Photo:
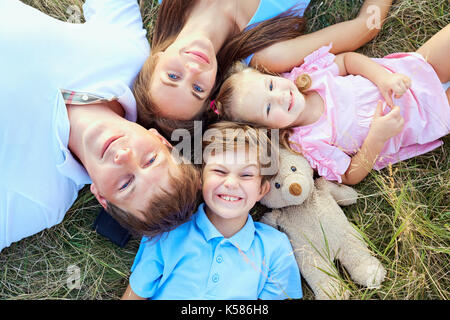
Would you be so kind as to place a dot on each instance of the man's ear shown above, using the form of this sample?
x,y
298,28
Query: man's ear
x,y
265,187
98,196
163,140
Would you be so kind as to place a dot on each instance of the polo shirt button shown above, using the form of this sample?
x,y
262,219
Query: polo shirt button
x,y
215,277
219,259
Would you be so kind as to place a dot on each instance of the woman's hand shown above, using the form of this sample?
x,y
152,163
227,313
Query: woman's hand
x,y
393,84
386,126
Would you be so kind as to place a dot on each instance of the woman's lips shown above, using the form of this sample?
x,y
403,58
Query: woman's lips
x,y
199,56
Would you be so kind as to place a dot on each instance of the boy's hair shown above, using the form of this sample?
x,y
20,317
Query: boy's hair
x,y
227,135
167,209
172,16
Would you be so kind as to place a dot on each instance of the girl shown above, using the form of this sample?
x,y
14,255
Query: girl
x,y
180,75
221,253
335,120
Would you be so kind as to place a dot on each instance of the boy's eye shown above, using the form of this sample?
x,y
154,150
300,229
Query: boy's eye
x,y
173,76
198,88
219,171
247,175
126,184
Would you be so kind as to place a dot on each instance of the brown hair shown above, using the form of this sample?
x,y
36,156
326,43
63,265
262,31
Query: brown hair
x,y
233,134
167,209
171,18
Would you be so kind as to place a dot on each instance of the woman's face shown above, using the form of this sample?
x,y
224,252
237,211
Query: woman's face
x,y
184,76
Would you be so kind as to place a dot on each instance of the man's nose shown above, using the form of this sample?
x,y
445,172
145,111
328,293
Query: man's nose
x,y
122,156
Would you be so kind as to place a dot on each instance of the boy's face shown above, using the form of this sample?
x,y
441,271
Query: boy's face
x,y
232,184
127,164
266,100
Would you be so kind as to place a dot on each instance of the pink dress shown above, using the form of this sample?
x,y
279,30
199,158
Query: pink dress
x,y
350,102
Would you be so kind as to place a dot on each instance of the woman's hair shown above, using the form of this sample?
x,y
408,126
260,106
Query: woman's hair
x,y
171,18
227,135
166,209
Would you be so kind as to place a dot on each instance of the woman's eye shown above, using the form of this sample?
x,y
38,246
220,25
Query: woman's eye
x,y
126,184
173,76
198,88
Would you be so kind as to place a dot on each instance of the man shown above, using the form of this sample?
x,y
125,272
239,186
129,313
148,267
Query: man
x,y
66,121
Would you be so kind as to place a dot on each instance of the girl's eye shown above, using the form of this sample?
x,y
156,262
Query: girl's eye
x,y
198,88
271,85
173,76
247,175
219,171
268,109
126,184
150,161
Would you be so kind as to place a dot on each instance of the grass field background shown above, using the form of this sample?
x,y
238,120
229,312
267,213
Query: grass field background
x,y
403,211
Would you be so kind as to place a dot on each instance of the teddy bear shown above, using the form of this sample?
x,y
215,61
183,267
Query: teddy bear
x,y
308,211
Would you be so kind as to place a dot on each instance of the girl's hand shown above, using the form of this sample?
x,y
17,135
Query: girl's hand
x,y
394,84
386,126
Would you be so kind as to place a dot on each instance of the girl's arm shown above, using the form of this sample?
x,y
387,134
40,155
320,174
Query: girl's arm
x,y
345,36
382,128
388,83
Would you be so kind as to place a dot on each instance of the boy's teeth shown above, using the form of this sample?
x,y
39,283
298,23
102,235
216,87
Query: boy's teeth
x,y
229,198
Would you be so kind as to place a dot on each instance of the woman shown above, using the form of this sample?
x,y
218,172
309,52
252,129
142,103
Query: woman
x,y
179,77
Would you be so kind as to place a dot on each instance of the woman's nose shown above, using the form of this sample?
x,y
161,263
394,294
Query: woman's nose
x,y
192,67
122,156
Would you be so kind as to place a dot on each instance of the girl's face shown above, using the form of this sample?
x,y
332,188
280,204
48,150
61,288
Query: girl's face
x,y
232,184
184,76
265,99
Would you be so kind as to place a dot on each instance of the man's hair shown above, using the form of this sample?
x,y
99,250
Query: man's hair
x,y
167,209
228,135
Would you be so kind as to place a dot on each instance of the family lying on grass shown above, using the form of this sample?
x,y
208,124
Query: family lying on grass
x,y
74,92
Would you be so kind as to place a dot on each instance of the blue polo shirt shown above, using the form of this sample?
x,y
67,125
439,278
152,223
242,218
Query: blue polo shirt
x,y
194,261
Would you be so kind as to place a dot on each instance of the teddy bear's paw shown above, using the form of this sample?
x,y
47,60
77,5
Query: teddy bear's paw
x,y
369,273
348,196
376,274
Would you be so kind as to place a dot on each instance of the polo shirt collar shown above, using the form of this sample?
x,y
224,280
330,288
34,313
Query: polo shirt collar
x,y
242,240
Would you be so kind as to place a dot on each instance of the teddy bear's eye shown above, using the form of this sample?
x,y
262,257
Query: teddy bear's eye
x,y
277,185
293,169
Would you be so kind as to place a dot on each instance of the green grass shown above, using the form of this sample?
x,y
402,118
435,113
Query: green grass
x,y
403,211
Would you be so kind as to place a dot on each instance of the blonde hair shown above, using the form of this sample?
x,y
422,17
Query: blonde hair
x,y
234,135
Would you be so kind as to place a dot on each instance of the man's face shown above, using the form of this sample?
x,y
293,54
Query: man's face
x,y
127,164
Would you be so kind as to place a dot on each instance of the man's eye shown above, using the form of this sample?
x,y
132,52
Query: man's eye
x,y
198,88
173,76
126,184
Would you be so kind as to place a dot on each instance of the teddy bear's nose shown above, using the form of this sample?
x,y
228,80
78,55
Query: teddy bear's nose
x,y
295,189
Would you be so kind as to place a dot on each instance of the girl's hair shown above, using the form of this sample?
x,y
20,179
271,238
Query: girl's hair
x,y
171,18
228,135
